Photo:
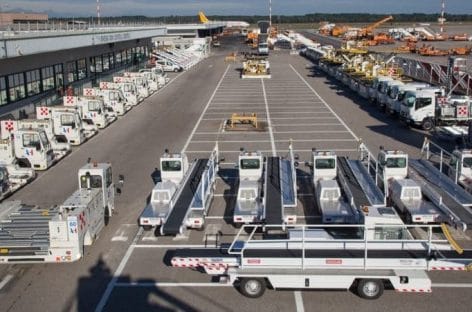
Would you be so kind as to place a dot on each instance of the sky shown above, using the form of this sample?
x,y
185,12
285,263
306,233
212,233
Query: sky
x,y
225,7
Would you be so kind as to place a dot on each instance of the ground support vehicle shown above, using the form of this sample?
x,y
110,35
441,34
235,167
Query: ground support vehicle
x,y
27,147
157,74
255,68
411,193
112,98
59,144
251,199
68,123
428,108
397,93
91,108
140,82
308,257
183,197
12,178
129,90
30,234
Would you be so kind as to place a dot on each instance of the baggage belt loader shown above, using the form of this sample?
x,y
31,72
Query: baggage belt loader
x,y
67,123
112,98
183,196
30,234
309,257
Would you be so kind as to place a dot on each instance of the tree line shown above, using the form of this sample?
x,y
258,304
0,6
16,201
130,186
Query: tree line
x,y
284,19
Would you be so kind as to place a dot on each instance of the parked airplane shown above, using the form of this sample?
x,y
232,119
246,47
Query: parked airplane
x,y
205,20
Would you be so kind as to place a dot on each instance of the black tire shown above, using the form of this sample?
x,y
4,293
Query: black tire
x,y
147,227
106,216
427,124
176,70
238,225
370,288
24,163
408,218
252,287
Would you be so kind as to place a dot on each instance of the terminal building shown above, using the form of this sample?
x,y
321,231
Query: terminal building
x,y
39,67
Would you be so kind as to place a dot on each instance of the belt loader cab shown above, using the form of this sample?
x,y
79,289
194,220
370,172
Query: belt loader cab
x,y
67,123
90,108
250,200
129,90
65,229
332,202
405,193
460,168
59,144
173,170
113,99
29,147
141,84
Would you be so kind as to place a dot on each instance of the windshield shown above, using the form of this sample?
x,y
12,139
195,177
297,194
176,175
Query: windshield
x,y
67,120
396,162
128,87
90,181
326,163
31,140
171,165
161,196
247,194
254,163
44,138
401,95
467,162
94,106
410,99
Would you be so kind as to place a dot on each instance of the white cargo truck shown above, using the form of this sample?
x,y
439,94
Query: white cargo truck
x,y
112,98
90,108
140,82
129,90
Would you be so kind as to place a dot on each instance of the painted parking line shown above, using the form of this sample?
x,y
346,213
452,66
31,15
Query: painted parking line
x,y
276,141
269,122
170,284
6,280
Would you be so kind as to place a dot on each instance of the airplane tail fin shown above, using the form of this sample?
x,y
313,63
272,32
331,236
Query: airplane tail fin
x,y
203,18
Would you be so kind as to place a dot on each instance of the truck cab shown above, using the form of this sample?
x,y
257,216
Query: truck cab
x,y
158,73
392,164
250,201
30,146
419,107
374,88
397,93
263,48
386,90
142,82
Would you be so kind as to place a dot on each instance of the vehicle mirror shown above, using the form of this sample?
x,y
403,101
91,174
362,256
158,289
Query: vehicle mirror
x,y
118,191
296,163
296,157
222,159
38,146
121,179
73,125
99,111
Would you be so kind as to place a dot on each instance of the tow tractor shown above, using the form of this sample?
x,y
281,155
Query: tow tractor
x,y
91,108
309,257
59,144
113,98
141,84
67,123
30,234
129,90
147,78
184,195
27,147
12,178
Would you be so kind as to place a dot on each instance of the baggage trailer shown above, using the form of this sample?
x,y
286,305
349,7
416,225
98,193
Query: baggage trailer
x,y
30,234
183,197
308,257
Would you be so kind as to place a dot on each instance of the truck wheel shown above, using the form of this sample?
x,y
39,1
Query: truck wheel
x,y
176,70
427,124
24,163
409,219
370,289
252,287
106,216
147,227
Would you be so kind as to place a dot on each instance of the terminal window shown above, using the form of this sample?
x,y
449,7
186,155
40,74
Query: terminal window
x,y
33,82
47,74
3,91
16,84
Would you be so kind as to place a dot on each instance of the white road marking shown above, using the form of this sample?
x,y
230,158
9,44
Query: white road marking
x,y
118,272
269,122
204,110
170,284
6,280
324,102
120,233
278,151
452,285
299,301
169,246
265,141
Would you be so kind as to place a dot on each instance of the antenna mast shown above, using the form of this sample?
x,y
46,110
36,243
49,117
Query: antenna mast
x,y
98,12
441,20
